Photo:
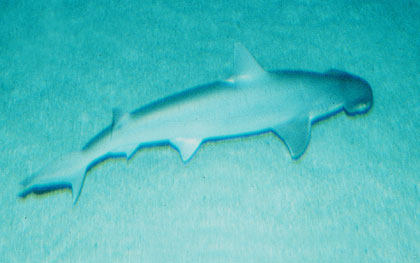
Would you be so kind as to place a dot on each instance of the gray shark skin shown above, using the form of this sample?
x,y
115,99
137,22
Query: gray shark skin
x,y
252,101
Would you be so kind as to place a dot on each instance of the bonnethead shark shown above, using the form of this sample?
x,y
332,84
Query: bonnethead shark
x,y
251,101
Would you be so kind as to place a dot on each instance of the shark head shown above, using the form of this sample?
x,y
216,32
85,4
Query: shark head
x,y
359,96
357,93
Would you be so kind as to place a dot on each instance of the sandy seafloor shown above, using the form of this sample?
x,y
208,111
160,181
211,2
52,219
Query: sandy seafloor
x,y
353,196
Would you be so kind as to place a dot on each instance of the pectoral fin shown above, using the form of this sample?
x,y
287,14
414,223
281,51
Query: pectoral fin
x,y
186,147
295,134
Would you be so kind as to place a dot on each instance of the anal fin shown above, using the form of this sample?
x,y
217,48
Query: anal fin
x,y
128,150
186,147
295,134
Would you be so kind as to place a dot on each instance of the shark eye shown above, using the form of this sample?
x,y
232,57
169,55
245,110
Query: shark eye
x,y
363,106
357,107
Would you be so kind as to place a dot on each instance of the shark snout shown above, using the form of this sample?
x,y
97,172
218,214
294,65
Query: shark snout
x,y
359,96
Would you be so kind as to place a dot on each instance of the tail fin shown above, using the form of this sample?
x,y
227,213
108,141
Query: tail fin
x,y
77,183
68,171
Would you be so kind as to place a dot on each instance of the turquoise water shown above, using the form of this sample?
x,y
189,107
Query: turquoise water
x,y
352,197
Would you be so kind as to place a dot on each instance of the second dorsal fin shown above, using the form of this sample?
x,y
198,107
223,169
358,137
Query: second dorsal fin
x,y
119,118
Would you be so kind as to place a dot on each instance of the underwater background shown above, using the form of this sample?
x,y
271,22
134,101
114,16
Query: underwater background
x,y
352,197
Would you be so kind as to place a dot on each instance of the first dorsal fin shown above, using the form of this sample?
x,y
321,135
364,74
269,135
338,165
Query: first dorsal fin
x,y
244,63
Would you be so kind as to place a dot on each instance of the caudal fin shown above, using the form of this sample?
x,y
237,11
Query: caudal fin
x,y
77,183
66,172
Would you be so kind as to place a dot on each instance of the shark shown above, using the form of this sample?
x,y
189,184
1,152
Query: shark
x,y
251,101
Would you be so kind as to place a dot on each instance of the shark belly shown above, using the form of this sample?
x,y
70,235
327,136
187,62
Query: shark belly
x,y
221,110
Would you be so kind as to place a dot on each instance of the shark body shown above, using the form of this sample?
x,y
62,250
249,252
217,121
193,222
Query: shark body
x,y
252,101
